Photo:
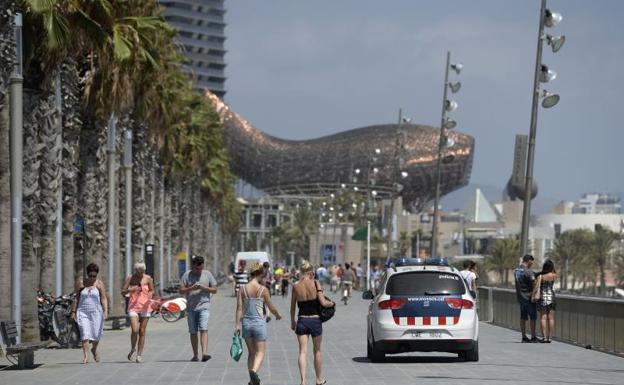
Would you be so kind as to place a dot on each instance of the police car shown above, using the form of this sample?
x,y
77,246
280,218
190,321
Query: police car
x,y
422,305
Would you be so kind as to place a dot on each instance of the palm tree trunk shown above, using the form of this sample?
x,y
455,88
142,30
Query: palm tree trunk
x,y
603,284
72,125
49,176
31,230
93,192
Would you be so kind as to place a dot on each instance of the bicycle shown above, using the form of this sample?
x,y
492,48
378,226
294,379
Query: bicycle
x,y
171,310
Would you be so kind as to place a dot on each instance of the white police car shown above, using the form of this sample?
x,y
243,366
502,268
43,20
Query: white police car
x,y
422,305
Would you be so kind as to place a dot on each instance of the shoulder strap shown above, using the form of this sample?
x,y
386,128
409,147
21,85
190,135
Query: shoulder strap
x,y
259,294
245,291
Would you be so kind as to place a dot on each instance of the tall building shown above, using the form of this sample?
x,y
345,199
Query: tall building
x,y
201,28
596,203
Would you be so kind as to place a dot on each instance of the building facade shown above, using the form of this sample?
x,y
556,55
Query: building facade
x,y
201,34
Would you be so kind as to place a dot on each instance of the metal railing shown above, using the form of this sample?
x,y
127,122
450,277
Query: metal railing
x,y
585,321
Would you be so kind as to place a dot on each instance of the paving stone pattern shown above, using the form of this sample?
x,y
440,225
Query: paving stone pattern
x,y
503,359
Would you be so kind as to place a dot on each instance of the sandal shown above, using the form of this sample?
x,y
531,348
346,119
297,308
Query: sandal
x,y
139,359
131,354
96,356
322,383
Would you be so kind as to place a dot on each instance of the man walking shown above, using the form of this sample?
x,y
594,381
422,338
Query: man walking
x,y
525,278
359,272
198,284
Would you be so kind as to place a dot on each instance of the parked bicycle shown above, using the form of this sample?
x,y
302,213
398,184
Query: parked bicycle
x,y
171,310
55,319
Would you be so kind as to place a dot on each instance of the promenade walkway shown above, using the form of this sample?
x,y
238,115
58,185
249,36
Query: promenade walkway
x,y
503,359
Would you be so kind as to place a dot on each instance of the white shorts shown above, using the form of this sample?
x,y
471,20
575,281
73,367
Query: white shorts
x,y
143,314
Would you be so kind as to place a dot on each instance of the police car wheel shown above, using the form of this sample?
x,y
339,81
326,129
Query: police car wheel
x,y
376,354
471,355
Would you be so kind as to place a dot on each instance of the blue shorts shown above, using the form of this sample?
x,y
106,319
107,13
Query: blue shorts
x,y
197,320
254,329
528,309
309,326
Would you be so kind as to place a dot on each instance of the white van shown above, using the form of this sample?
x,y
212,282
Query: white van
x,y
251,256
241,275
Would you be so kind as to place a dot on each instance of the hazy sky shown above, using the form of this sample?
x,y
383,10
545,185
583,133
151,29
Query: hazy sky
x,y
304,69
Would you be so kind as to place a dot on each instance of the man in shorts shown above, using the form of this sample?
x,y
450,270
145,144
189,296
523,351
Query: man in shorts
x,y
525,277
198,284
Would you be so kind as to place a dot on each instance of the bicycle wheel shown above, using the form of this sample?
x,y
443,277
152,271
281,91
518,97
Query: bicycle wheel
x,y
168,315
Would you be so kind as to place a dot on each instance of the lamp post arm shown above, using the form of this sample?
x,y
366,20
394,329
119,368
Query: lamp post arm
x,y
528,183
436,202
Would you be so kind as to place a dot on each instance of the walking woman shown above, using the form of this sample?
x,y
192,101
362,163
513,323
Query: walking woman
x,y
546,303
250,303
90,310
307,294
140,287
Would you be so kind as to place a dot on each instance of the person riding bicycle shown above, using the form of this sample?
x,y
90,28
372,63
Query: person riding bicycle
x,y
348,278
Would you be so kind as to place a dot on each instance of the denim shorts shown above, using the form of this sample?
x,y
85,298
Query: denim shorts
x,y
254,329
309,326
197,320
528,309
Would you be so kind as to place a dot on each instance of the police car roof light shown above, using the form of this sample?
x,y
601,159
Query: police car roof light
x,y
397,262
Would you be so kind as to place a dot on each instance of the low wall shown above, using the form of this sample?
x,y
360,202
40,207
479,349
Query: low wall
x,y
598,322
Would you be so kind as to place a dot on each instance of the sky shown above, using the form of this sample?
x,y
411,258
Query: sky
x,y
306,69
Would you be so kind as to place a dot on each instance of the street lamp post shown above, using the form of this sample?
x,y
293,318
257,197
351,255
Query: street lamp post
x,y
128,172
112,194
447,106
396,187
544,75
16,148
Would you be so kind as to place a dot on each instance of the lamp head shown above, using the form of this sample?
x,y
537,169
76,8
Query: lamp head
x,y
451,105
555,42
457,68
455,87
450,124
547,75
549,99
551,19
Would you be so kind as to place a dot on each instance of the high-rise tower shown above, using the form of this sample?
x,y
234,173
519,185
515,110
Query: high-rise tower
x,y
202,35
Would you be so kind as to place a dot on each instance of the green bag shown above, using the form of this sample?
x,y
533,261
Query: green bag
x,y
236,350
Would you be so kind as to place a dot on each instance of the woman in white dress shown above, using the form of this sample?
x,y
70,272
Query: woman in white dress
x,y
90,310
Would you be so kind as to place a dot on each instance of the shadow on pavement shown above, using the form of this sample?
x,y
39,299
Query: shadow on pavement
x,y
411,360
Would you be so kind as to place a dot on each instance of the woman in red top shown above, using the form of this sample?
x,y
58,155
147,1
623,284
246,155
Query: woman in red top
x,y
139,287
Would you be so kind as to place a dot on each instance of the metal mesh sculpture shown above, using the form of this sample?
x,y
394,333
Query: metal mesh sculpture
x,y
316,167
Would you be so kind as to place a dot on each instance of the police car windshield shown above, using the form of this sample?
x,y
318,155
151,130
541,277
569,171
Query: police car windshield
x,y
425,283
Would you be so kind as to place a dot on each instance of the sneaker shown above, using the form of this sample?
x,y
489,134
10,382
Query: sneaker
x,y
255,380
525,339
206,357
194,359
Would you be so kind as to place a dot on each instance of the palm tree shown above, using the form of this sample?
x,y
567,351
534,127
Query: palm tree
x,y
600,249
503,257
569,251
404,243
618,268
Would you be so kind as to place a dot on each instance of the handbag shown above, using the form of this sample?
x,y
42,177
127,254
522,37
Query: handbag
x,y
236,350
325,313
536,295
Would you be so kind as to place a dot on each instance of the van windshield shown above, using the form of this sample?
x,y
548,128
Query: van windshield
x,y
425,283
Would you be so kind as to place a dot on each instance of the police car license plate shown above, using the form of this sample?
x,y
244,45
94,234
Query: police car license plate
x,y
418,334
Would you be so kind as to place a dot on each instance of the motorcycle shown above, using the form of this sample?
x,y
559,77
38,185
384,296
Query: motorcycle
x,y
55,319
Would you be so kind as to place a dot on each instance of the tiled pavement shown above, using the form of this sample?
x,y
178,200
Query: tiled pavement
x,y
503,360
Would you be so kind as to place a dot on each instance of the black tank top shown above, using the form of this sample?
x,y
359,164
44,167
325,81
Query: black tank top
x,y
309,307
